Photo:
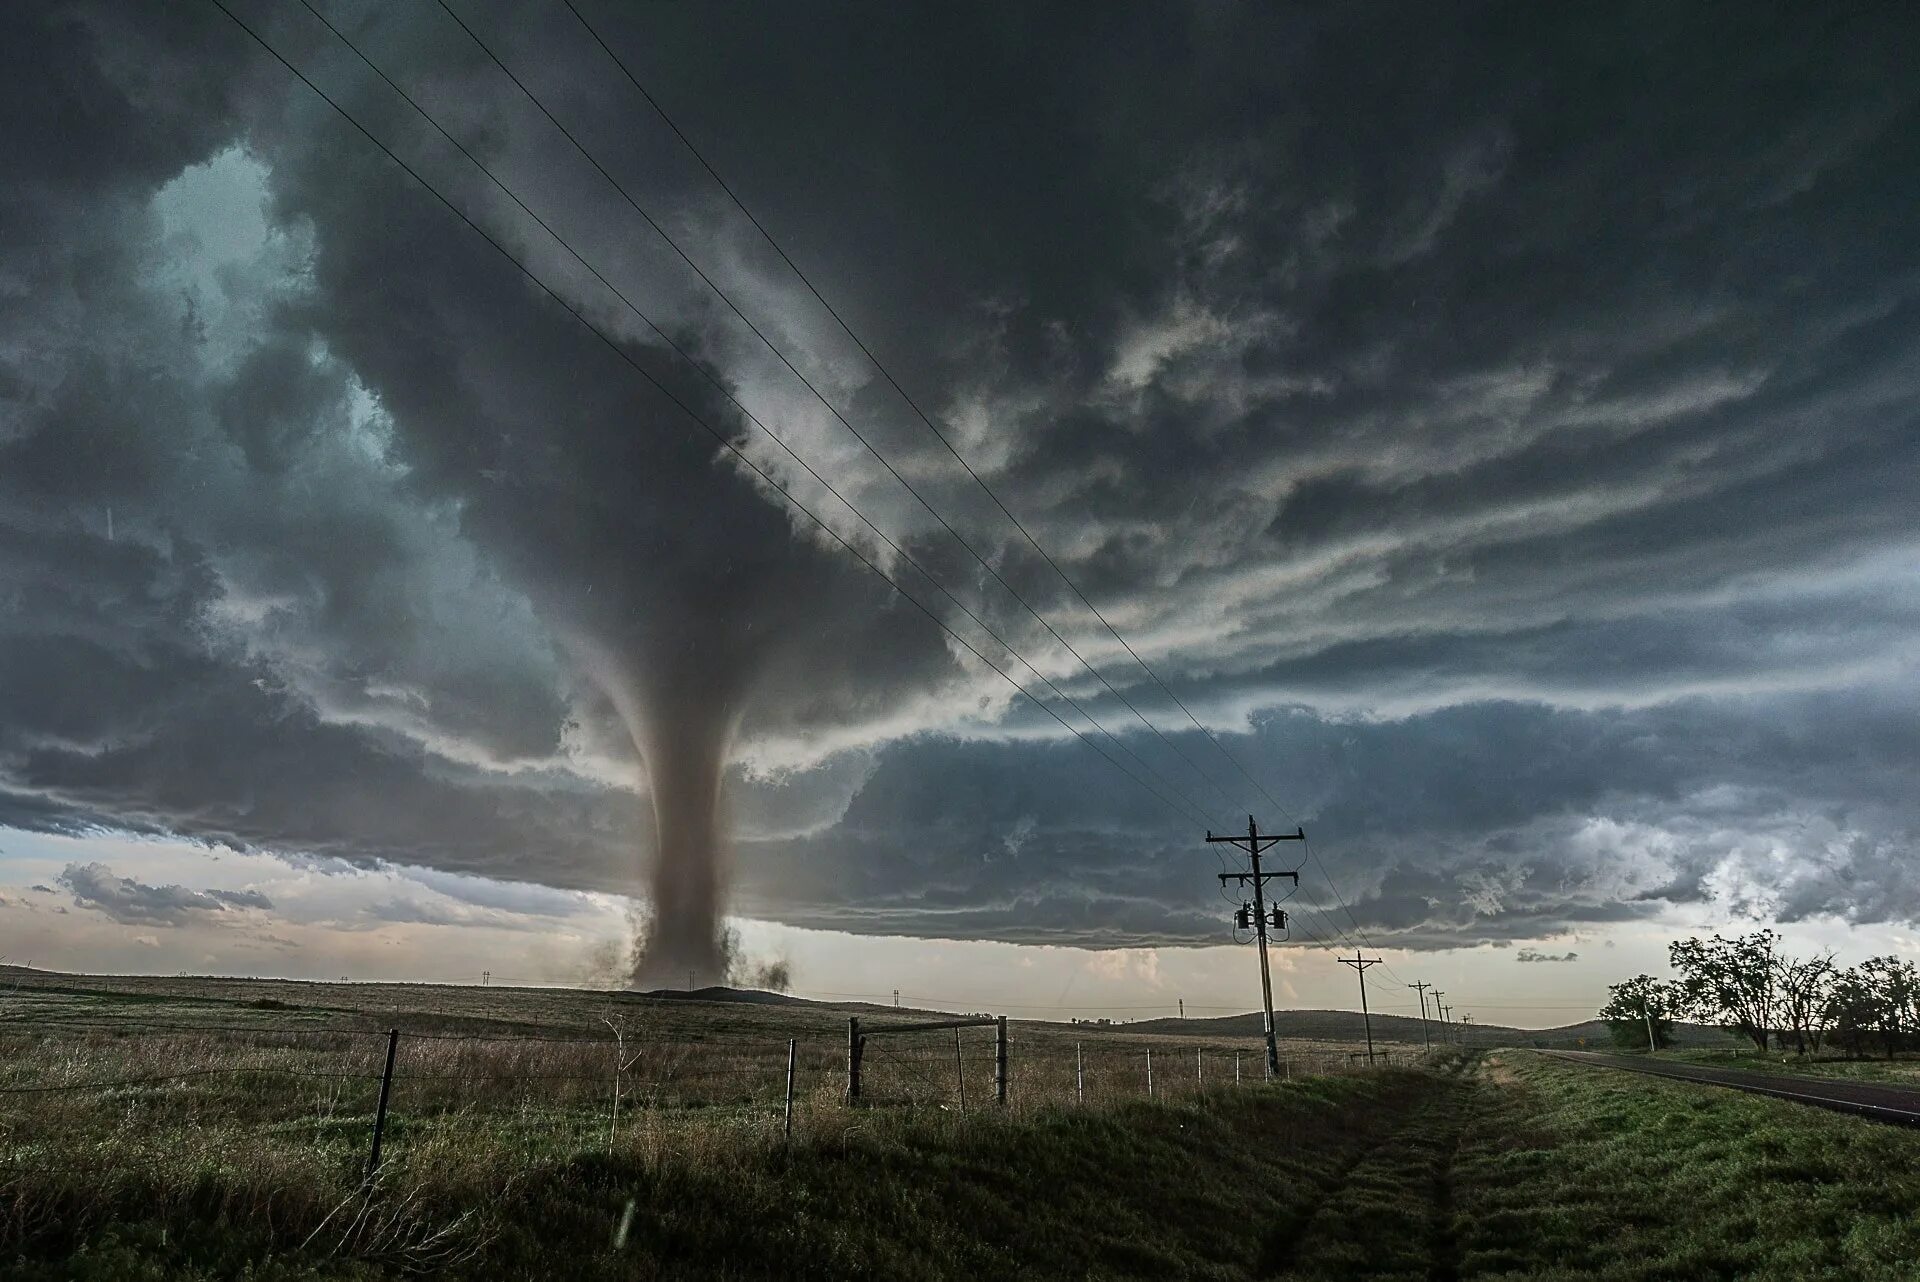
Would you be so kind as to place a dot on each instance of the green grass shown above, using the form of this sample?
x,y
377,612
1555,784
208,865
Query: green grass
x,y
1903,1071
1649,1178
1138,1190
1505,1165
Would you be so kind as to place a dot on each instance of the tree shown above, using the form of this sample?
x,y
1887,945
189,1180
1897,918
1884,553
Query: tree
x,y
1803,985
1729,982
1895,988
1641,1003
1853,1009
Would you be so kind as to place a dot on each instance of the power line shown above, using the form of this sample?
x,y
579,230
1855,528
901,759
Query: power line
x,y
827,404
914,405
1255,843
666,392
1198,812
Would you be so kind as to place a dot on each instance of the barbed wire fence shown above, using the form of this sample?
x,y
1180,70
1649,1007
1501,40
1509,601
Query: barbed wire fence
x,y
121,1092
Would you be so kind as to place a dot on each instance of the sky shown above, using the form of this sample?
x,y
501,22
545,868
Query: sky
x,y
1490,434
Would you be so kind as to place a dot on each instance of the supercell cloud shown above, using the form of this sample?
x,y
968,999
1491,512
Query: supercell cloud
x,y
1498,425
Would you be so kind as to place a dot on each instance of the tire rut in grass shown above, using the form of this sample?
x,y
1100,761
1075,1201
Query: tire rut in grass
x,y
1297,1210
1391,1214
1443,1241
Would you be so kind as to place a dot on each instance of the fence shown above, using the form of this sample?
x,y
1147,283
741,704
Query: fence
x,y
126,1093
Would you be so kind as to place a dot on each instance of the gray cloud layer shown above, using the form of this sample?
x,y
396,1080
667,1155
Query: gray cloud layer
x,y
1499,424
135,903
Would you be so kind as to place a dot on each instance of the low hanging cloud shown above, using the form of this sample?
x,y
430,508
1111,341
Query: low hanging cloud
x,y
134,903
1527,955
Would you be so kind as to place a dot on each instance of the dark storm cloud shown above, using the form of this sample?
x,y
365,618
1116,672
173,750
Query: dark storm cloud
x,y
134,903
1528,955
1498,421
1490,822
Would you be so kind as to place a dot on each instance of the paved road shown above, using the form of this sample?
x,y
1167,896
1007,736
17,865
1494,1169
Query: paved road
x,y
1868,1099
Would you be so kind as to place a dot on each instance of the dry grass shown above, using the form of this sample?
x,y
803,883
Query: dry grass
x,y
130,1105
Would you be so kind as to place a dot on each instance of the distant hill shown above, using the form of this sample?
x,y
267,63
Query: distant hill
x,y
1347,1026
721,993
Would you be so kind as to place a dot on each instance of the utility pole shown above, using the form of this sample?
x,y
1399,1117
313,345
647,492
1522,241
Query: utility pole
x,y
1254,843
1426,1042
1646,1008
1439,1013
1183,1008
1360,965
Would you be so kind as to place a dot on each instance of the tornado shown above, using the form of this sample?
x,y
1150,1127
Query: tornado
x,y
682,710
678,664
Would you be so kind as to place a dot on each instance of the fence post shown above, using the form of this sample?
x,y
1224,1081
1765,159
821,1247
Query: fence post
x,y
1198,1080
1149,1072
380,1114
1000,1059
853,1059
1079,1076
960,1072
1236,1068
793,1045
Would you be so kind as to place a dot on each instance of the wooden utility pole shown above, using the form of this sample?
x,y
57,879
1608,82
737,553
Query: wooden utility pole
x,y
1360,965
1254,843
1426,1042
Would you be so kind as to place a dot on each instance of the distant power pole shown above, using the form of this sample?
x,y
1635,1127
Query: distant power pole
x,y
1426,1042
486,977
1183,1008
896,1002
1360,965
1439,1013
1254,843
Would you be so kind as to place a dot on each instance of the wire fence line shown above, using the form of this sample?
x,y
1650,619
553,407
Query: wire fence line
x,y
114,1092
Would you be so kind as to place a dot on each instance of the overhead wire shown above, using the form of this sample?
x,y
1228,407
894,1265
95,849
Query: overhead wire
x,y
824,401
633,79
701,368
675,400
871,448
1184,799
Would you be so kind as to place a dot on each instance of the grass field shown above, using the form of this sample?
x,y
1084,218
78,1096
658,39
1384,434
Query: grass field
x,y
1495,1164
1902,1071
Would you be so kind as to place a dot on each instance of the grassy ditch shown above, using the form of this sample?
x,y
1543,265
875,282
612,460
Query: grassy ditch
x,y
1169,1189
1505,1165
